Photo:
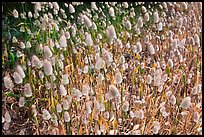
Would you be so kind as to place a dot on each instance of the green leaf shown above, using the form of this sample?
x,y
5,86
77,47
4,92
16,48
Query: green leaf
x,y
9,94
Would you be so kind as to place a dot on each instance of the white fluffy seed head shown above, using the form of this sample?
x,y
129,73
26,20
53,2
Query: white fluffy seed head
x,y
99,63
89,41
46,115
71,9
159,26
151,49
156,17
196,116
19,69
125,106
128,25
65,79
146,16
113,91
21,102
186,102
65,105
87,21
111,12
59,108
140,22
7,117
66,116
139,47
63,91
149,79
170,63
111,34
15,13
139,114
47,52
118,78
63,41
85,89
88,108
197,39
47,68
17,78
27,90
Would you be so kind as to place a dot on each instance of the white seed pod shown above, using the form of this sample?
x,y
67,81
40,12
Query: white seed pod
x,y
88,108
7,117
125,106
15,13
99,63
146,16
65,79
111,12
186,102
47,52
125,5
194,90
196,117
87,21
170,63
41,74
151,49
149,79
3,120
85,89
59,108
159,26
113,91
139,47
27,90
21,102
63,41
55,5
22,45
111,33
139,114
128,25
168,93
172,100
19,69
89,41
140,22
156,17
132,115
197,40
86,69
93,6
34,111
6,126
118,78
46,115
71,9
106,115
47,68
17,78
28,45
144,10
66,116
30,14
63,91
65,105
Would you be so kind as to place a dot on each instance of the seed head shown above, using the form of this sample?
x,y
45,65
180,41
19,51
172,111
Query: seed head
x,y
27,90
47,68
186,102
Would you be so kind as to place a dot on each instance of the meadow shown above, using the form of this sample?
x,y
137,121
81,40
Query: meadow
x,y
102,68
